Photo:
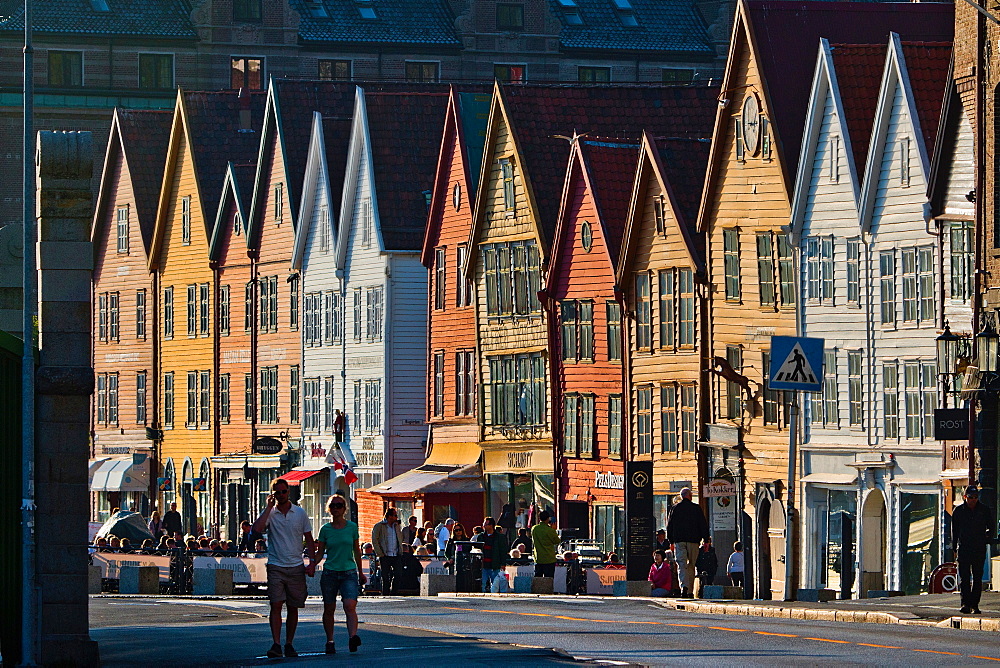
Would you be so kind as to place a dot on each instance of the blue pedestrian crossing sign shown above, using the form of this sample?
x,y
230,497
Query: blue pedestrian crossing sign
x,y
796,364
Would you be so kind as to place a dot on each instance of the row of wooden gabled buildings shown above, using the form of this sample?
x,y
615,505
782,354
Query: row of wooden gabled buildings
x,y
483,299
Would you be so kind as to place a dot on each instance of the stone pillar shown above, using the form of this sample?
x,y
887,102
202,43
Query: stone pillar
x,y
11,279
64,383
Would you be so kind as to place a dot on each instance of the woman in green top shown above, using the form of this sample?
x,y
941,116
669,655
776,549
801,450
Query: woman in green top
x,y
342,572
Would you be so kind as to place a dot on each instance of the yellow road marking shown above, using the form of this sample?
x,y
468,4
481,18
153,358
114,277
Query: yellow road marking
x,y
631,622
502,612
572,619
868,644
693,626
535,614
723,628
988,658
783,635
934,651
463,609
842,642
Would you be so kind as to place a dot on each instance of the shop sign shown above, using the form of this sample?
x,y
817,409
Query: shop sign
x,y
199,484
266,445
956,455
677,485
519,460
368,458
609,480
317,450
640,525
951,424
719,487
116,450
165,484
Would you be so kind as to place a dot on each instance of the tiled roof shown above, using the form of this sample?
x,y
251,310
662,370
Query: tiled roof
x,y
405,131
141,18
540,113
684,161
144,136
927,66
336,142
611,166
859,70
394,22
244,174
787,34
214,124
661,25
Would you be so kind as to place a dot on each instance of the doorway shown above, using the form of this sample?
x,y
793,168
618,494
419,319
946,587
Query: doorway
x,y
873,522
763,549
776,540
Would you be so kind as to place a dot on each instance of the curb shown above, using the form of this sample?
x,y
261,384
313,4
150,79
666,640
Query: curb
x,y
815,614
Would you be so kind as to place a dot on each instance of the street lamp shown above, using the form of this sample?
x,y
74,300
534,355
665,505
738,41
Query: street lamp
x,y
947,350
987,344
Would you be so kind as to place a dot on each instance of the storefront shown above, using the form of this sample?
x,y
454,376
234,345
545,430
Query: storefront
x,y
521,477
310,488
120,482
242,483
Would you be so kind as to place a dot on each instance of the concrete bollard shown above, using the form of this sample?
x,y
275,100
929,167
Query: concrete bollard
x,y
816,595
212,582
637,587
432,585
542,585
93,579
139,580
522,584
884,593
721,591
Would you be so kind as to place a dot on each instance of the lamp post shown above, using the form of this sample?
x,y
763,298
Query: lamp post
x,y
947,358
987,345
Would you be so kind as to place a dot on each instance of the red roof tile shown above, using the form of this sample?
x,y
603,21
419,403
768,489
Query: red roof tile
x,y
859,69
336,140
611,166
144,136
787,33
927,65
538,113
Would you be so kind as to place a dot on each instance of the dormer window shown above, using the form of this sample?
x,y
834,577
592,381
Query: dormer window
x,y
247,10
367,12
99,6
628,20
573,18
510,17
567,3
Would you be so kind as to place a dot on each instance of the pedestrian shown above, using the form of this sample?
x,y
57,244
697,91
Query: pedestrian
x,y
971,531
457,535
494,548
342,574
521,521
661,542
410,570
522,542
155,525
507,520
443,535
172,521
248,537
387,539
260,547
544,541
477,533
707,564
410,530
686,528
419,537
287,525
661,577
735,566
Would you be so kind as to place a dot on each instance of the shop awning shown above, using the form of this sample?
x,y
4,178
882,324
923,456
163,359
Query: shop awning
x,y
831,478
120,475
466,480
454,454
93,467
296,476
264,461
229,461
519,460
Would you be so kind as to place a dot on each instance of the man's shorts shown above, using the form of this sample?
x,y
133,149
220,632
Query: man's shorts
x,y
287,584
343,582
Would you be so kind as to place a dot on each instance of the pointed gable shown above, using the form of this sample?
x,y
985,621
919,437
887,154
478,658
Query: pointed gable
x,y
858,72
927,67
144,136
236,191
610,168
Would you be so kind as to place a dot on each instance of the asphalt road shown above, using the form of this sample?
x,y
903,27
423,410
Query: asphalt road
x,y
599,630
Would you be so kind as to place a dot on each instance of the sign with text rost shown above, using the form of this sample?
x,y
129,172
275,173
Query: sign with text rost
x,y
640,525
951,424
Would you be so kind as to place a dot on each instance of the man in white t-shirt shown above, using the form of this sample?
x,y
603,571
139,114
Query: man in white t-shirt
x,y
286,525
443,536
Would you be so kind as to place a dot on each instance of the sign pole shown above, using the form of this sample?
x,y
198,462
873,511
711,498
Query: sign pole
x,y
793,417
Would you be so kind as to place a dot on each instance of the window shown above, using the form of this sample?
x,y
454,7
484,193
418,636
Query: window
x,y
437,409
819,268
203,311
676,76
659,214
833,159
101,392
334,70
186,220
925,284
269,395
734,393
367,12
248,408
855,401
463,286
310,414
668,418
248,302
374,313
192,400
644,420
773,399
168,313
112,398
168,399
962,260
140,397
357,314
465,382
192,310
279,203
890,400
904,162
510,17
224,401
571,424
765,269
689,422
246,10
121,218
887,278
324,230
577,328
507,181
786,270
667,308
329,417
156,71
204,398
357,405
113,319
293,394
614,314
854,272
513,278
687,325
365,222
102,316
422,72
765,139
373,407
517,385
738,136
334,317
731,258
643,314
593,74
246,73
586,440
293,303
929,401
268,303
224,310
911,397
65,68
439,277
313,317
509,73
918,284
615,425
831,407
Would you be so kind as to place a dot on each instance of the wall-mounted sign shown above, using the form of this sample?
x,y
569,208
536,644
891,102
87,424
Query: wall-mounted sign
x,y
951,424
609,480
317,450
266,445
199,484
719,487
165,484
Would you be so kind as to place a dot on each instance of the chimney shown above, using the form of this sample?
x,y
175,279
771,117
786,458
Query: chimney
x,y
244,97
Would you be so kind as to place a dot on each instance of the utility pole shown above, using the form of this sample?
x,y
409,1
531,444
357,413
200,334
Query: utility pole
x,y
30,621
793,422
